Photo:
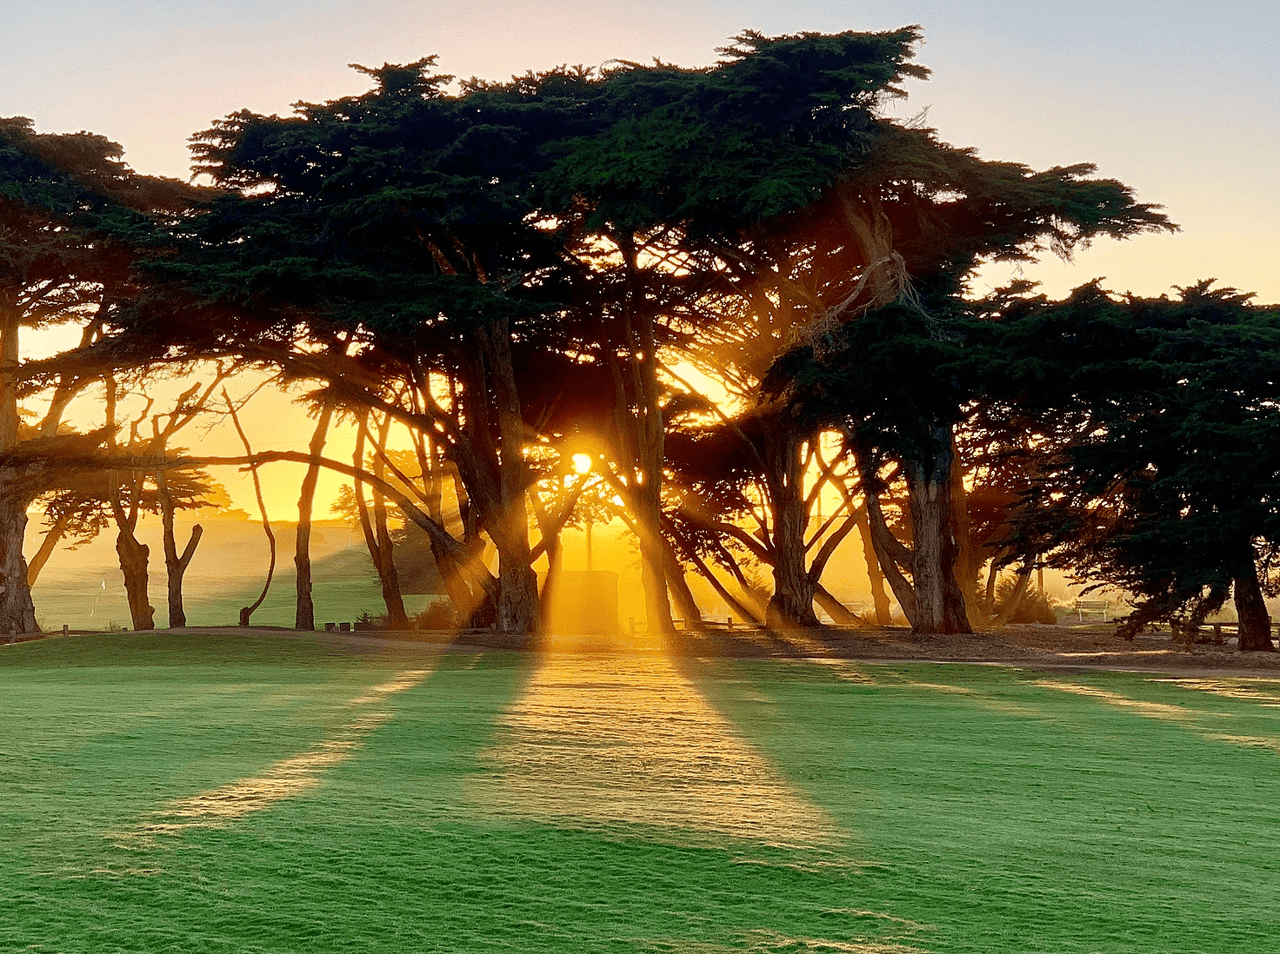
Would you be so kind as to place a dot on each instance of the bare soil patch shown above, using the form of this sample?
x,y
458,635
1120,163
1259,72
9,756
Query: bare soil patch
x,y
1089,647
1047,647
1052,647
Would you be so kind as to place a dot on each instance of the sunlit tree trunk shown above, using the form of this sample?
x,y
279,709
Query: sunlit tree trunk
x,y
1021,585
377,536
879,598
17,612
133,564
683,596
133,554
969,558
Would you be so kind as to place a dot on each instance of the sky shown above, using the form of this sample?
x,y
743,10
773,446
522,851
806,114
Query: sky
x,y
1176,98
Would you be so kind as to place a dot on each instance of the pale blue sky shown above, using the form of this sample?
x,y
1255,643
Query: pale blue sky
x,y
1177,98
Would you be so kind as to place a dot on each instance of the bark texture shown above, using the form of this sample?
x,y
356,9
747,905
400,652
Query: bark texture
x,y
17,613
793,587
1251,611
133,564
940,602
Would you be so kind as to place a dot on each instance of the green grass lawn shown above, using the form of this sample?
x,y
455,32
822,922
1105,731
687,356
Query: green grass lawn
x,y
228,794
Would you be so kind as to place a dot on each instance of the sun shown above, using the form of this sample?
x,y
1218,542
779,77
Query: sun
x,y
582,463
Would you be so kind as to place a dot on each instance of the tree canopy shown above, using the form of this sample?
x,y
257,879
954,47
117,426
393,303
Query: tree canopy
x,y
508,273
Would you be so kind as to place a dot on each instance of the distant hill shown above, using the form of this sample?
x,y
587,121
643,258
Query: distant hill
x,y
83,588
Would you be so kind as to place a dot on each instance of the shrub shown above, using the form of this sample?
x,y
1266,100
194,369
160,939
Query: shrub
x,y
1037,606
439,614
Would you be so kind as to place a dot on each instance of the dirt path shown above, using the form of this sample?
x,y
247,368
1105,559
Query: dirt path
x,y
1041,647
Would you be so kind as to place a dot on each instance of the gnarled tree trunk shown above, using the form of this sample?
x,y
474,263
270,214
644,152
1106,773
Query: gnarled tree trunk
x,y
940,602
793,587
133,564
1251,611
17,613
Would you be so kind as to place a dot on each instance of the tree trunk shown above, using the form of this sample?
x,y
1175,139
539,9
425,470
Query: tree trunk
x,y
305,615
793,588
940,603
1016,597
642,432
968,557
1251,611
835,609
691,555
509,527
683,596
17,613
388,575
133,564
175,564
377,536
879,598
892,556
459,593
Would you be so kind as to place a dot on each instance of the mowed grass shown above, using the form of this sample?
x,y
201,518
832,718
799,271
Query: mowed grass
x,y
211,794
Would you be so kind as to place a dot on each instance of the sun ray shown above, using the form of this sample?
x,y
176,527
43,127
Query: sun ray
x,y
628,740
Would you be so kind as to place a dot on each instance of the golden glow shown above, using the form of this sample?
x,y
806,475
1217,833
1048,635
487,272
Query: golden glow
x,y
600,740
582,463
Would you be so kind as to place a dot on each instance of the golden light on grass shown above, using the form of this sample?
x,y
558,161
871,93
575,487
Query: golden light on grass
x,y
1154,710
287,778
980,699
598,741
1188,717
1248,689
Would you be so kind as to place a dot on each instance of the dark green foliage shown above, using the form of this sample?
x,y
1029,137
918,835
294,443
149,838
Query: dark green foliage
x,y
1159,471
896,376
763,132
